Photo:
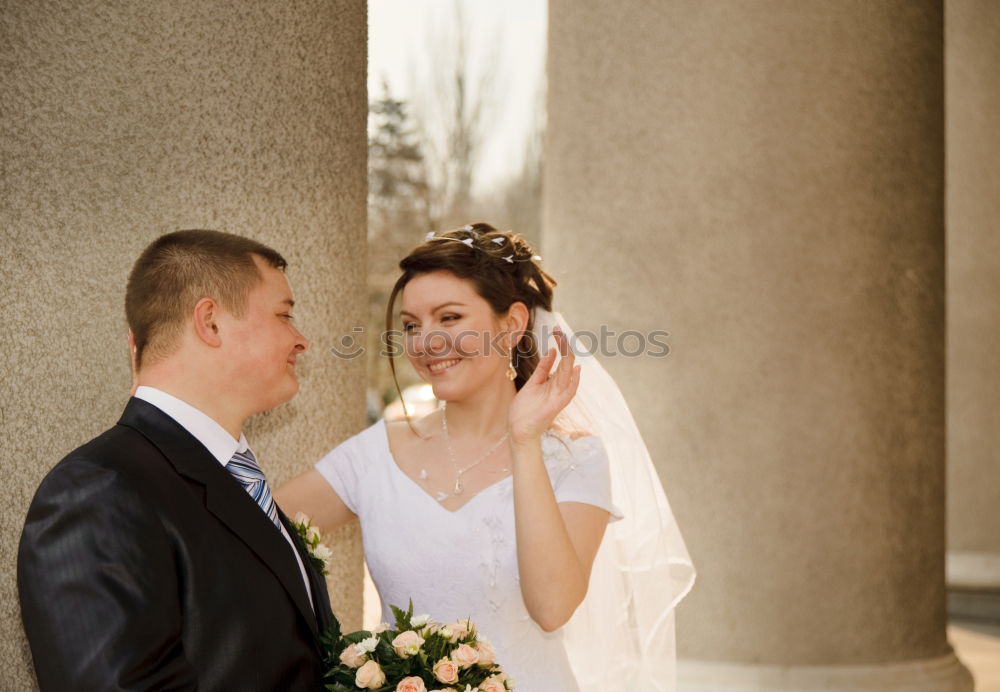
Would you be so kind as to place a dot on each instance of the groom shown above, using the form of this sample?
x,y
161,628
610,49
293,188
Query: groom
x,y
153,557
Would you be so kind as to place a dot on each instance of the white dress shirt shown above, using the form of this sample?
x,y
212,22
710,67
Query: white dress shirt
x,y
219,443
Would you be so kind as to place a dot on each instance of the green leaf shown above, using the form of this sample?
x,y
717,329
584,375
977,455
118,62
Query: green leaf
x,y
338,687
385,651
355,637
402,619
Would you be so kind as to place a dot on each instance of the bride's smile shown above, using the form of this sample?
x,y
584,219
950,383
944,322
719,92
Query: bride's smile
x,y
450,335
438,367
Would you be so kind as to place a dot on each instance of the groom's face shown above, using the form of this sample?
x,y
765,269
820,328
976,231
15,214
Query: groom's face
x,y
265,343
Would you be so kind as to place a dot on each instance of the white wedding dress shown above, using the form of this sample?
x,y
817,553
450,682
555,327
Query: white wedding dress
x,y
463,564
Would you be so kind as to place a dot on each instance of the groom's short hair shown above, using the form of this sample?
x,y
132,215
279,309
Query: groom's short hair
x,y
176,271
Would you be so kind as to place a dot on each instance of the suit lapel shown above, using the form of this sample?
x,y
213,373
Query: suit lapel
x,y
317,582
224,497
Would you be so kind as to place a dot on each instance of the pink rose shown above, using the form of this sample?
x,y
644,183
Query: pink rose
x,y
465,656
369,676
446,671
411,684
407,643
460,629
492,684
487,656
351,657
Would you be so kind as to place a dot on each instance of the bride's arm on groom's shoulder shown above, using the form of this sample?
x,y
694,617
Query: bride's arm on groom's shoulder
x,y
312,495
556,542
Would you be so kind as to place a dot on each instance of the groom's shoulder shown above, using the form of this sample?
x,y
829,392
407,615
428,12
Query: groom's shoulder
x,y
92,475
119,438
114,446
119,452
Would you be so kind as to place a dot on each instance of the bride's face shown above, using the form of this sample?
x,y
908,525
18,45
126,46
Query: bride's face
x,y
453,339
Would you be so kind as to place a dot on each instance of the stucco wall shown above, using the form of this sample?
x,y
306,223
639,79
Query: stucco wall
x,y
765,181
973,97
123,120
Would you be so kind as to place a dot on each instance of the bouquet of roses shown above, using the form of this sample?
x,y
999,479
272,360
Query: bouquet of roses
x,y
419,655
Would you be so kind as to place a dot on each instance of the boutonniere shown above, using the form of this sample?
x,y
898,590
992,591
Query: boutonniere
x,y
319,554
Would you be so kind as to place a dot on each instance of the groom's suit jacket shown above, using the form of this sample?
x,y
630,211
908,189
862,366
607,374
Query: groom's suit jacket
x,y
144,565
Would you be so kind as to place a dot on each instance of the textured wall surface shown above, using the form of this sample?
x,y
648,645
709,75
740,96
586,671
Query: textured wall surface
x,y
123,120
973,193
765,181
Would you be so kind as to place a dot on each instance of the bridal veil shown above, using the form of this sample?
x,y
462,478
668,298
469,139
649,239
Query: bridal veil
x,y
622,635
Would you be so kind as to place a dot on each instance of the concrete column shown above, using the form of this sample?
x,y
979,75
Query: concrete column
x,y
124,120
972,54
766,181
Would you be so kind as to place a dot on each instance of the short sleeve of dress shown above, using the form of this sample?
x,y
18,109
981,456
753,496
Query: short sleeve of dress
x,y
342,469
579,472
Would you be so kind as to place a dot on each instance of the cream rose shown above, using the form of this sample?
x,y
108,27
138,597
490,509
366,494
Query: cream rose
x,y
369,676
460,629
465,656
407,643
352,657
492,684
446,671
411,684
487,656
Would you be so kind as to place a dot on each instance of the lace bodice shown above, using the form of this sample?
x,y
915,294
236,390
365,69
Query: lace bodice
x,y
463,564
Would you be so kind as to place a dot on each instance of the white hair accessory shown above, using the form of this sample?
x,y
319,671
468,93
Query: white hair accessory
x,y
470,242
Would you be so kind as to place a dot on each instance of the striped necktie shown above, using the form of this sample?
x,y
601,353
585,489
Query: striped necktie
x,y
244,468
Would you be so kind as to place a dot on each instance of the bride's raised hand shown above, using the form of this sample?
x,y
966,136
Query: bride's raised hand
x,y
545,394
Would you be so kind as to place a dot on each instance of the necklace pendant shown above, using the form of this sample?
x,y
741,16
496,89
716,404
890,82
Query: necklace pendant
x,y
458,487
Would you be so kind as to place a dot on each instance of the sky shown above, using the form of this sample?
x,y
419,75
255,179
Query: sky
x,y
507,38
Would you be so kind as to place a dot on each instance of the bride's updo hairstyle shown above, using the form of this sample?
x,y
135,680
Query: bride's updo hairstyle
x,y
502,268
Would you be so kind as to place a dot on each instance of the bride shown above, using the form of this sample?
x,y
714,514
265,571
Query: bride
x,y
495,506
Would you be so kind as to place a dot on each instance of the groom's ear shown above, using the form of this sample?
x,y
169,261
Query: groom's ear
x,y
133,357
206,314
